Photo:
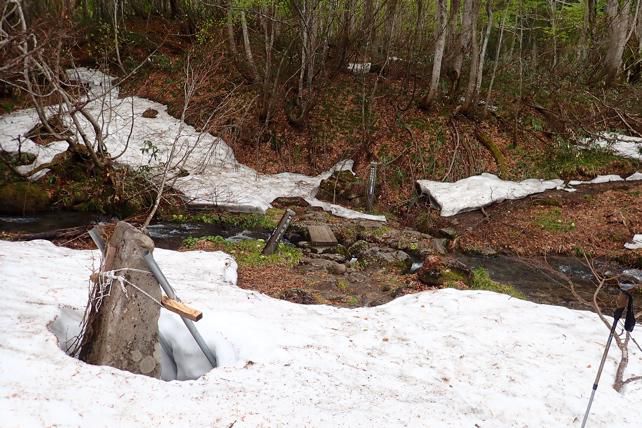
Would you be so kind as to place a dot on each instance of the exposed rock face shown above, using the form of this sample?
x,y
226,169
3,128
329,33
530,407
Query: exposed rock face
x,y
343,187
123,331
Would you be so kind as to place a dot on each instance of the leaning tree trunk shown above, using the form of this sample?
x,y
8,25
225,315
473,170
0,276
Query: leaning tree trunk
x,y
122,319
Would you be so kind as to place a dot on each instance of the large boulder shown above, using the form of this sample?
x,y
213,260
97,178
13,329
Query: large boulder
x,y
343,187
386,258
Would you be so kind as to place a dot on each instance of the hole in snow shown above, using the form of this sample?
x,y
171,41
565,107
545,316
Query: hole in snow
x,y
181,358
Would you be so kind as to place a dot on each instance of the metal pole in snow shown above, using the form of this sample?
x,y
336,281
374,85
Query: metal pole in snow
x,y
158,274
372,181
599,371
98,240
624,298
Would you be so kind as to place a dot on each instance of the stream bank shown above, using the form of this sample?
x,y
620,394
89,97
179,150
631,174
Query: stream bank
x,y
372,265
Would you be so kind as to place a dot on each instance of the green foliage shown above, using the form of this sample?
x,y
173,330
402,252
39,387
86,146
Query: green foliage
x,y
151,150
7,106
566,160
482,281
248,252
245,221
451,278
553,221
343,285
206,31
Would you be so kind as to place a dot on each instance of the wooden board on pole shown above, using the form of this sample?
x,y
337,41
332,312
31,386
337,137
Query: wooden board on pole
x,y
181,309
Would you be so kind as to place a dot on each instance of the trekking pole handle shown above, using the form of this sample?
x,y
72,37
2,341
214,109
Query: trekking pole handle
x,y
622,299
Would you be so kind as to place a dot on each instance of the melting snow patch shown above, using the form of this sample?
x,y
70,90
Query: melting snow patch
x,y
216,178
308,365
635,244
637,176
622,145
480,190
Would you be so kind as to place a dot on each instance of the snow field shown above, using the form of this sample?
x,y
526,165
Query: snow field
x,y
441,359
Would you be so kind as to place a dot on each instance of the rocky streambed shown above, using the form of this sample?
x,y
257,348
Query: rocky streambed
x,y
371,264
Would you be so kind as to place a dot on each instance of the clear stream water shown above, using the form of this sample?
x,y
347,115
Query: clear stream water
x,y
165,235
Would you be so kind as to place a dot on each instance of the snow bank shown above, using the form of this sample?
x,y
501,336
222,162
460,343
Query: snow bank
x,y
636,176
444,358
216,178
480,190
635,244
623,145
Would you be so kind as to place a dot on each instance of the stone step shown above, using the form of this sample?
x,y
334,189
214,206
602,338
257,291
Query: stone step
x,y
321,236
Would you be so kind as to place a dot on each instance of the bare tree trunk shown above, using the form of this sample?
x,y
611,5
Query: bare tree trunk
x,y
346,31
495,65
369,25
116,43
441,33
475,60
482,55
553,5
248,48
618,16
391,14
229,24
464,44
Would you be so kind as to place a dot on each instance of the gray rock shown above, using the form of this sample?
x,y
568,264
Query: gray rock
x,y
338,269
386,258
440,245
448,232
358,248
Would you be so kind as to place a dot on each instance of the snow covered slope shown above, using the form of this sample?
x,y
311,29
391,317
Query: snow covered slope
x,y
440,359
215,175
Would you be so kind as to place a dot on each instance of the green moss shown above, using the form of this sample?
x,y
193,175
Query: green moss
x,y
343,285
567,161
482,281
23,198
450,278
248,252
553,221
352,301
245,221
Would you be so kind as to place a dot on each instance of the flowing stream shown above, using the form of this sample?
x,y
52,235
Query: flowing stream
x,y
166,235
538,279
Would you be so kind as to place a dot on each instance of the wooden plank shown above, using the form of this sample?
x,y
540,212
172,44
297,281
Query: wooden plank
x,y
322,236
181,309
